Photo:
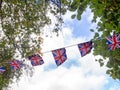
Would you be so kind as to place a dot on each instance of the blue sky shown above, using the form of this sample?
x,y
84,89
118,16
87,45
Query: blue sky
x,y
81,28
77,73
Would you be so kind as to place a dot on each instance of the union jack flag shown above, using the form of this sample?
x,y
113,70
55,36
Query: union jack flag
x,y
16,64
85,48
36,59
2,69
59,56
113,41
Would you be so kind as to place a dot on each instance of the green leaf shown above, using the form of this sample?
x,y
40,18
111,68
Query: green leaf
x,y
78,17
73,16
92,30
96,35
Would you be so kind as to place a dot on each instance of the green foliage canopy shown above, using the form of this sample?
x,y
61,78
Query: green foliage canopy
x,y
20,28
109,13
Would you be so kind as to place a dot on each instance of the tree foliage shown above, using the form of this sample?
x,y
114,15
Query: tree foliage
x,y
108,11
20,28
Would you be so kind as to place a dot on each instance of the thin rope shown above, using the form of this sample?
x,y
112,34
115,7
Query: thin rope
x,y
72,45
61,47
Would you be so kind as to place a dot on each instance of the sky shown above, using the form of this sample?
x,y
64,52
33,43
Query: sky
x,y
76,73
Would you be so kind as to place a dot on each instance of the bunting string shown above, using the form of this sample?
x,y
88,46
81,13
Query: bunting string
x,y
61,47
73,45
60,55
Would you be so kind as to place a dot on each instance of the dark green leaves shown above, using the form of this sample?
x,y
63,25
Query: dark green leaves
x,y
73,16
107,16
20,22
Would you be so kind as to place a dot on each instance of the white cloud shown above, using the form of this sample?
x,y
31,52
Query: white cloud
x,y
67,17
88,76
115,88
63,79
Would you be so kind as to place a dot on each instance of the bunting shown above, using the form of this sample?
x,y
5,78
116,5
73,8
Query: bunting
x,y
16,64
36,59
85,48
2,69
113,41
59,56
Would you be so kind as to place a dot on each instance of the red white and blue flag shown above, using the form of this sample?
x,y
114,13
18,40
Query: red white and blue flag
x,y
85,48
2,69
36,59
16,64
113,41
59,56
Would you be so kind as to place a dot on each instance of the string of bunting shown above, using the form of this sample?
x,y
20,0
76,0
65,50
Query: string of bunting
x,y
60,55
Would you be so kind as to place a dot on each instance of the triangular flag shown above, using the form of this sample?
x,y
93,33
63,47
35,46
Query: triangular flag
x,y
59,56
2,69
16,64
36,59
85,48
113,41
